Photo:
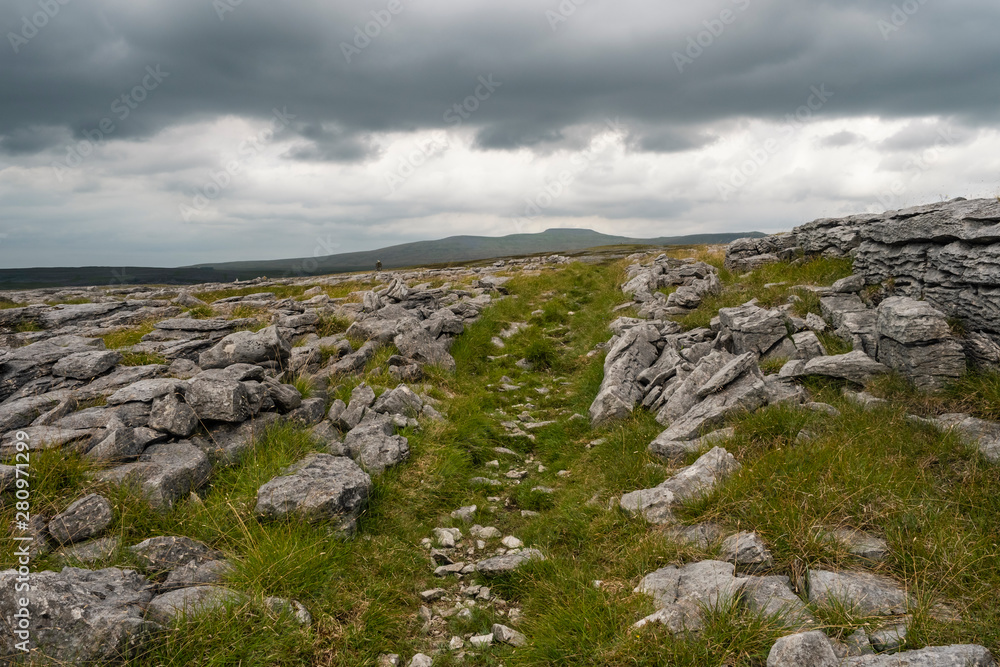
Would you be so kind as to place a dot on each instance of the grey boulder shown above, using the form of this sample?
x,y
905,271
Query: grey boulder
x,y
320,487
247,347
84,518
86,365
374,445
79,616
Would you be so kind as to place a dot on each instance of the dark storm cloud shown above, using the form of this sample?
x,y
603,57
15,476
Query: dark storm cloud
x,y
839,139
605,60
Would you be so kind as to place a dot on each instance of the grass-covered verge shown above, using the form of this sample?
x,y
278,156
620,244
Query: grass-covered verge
x,y
976,393
779,279
931,496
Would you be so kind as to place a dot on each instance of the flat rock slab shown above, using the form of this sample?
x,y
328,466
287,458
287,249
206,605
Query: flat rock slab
x,y
869,594
166,553
691,482
855,366
911,322
163,609
187,324
86,365
508,562
320,487
956,655
79,616
247,347
165,473
145,391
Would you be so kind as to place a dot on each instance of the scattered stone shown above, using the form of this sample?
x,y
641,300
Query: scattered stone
x,y
507,563
84,518
164,554
806,649
163,609
869,594
747,552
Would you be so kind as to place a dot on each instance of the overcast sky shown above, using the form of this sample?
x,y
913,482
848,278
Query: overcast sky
x,y
172,132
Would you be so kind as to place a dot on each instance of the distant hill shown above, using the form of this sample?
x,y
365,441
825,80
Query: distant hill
x,y
465,249
454,249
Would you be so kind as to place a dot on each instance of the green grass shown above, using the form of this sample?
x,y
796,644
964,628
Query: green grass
x,y
925,492
6,304
833,343
737,290
28,326
127,337
141,359
976,393
331,325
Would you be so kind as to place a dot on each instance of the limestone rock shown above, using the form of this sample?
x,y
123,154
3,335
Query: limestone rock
x,y
508,562
86,365
163,609
247,347
870,594
320,487
84,518
630,355
80,616
806,649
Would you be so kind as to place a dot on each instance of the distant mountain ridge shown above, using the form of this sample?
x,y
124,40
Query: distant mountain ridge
x,y
453,249
468,248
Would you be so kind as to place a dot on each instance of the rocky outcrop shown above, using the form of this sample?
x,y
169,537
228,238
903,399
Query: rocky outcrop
x,y
946,253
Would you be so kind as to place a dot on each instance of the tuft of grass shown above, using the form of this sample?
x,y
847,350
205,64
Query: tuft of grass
x,y
141,358
128,336
304,385
833,343
6,304
773,365
331,325
201,312
28,326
